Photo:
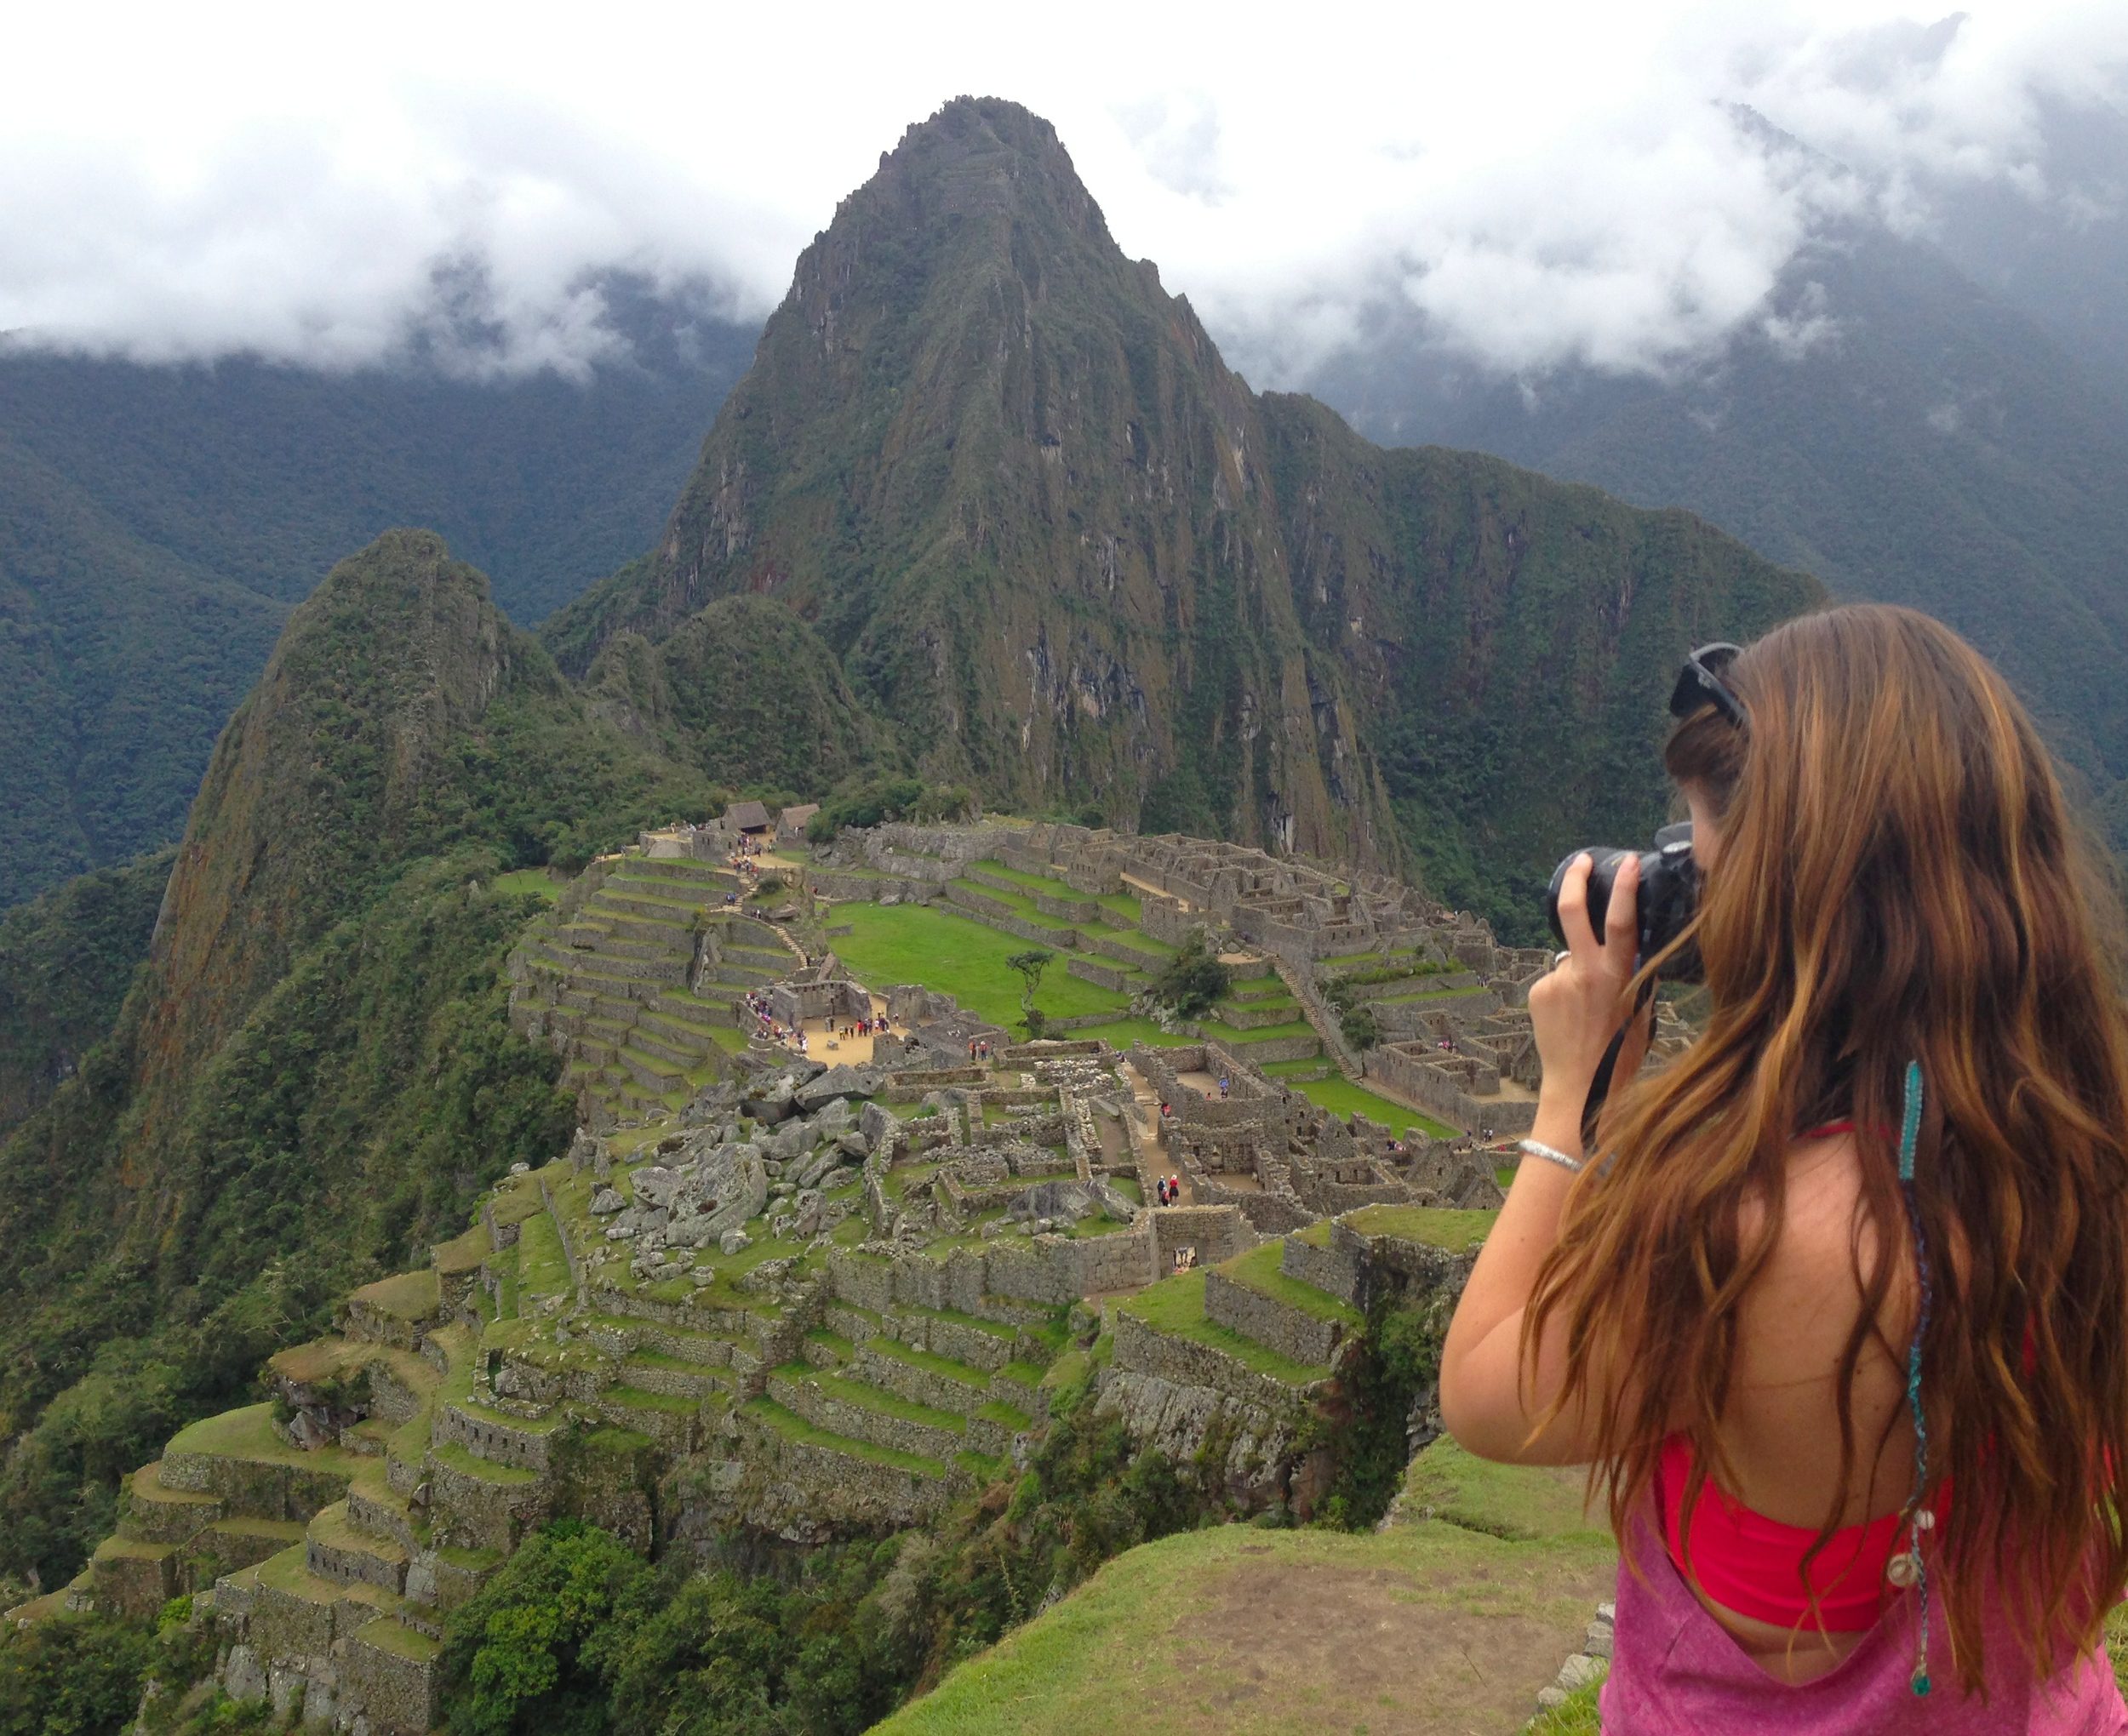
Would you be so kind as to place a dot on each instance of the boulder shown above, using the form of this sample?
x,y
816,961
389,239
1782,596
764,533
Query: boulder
x,y
807,1174
656,1186
1052,1201
772,1104
734,1241
835,1178
605,1202
878,1124
837,1082
854,1144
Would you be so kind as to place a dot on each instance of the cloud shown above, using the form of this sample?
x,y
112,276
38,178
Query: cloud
x,y
1539,184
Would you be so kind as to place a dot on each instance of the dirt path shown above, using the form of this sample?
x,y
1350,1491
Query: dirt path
x,y
1145,1118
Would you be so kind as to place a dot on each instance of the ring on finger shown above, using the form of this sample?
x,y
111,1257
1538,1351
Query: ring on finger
x,y
1560,957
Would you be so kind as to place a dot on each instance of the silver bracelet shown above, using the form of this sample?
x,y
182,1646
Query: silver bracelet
x,y
1537,1148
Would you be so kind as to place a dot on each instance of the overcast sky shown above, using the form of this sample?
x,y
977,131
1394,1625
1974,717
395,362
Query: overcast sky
x,y
1546,183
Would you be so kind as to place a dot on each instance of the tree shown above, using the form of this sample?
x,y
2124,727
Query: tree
x,y
525,1653
1031,964
1193,979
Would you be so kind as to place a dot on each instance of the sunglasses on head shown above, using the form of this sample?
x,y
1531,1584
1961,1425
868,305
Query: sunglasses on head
x,y
1700,684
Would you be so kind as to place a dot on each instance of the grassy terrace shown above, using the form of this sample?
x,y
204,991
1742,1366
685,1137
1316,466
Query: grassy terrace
x,y
528,883
456,1458
1250,1631
1032,882
956,954
1175,1306
1258,1270
1457,1231
248,1434
1341,1097
1227,1037
404,1296
793,1427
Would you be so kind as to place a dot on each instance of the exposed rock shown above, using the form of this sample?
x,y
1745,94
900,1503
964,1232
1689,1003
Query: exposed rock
x,y
734,1241
656,1186
1053,1201
854,1144
878,1124
605,1202
837,1082
837,1178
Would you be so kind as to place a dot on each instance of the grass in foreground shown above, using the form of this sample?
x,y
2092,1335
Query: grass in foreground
x,y
1428,1629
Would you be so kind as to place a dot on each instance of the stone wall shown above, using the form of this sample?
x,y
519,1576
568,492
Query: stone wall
x,y
1217,1232
1270,1321
1411,1069
1140,1349
1332,1269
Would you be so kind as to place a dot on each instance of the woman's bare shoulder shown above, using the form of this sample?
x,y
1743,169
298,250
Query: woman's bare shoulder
x,y
1800,1308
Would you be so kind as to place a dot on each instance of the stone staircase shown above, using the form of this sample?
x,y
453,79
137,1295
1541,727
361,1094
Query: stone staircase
x,y
634,976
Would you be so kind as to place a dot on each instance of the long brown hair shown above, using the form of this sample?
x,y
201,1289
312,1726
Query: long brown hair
x,y
1898,878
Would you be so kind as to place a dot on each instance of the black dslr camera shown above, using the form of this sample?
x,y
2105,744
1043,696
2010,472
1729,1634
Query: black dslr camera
x,y
1669,893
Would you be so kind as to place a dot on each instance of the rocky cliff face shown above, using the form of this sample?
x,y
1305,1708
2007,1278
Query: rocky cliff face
x,y
1076,561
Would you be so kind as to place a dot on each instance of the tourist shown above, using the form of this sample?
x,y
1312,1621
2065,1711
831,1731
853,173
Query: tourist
x,y
1845,1284
1222,1084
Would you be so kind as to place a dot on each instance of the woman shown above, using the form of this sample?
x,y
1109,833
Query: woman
x,y
1840,1313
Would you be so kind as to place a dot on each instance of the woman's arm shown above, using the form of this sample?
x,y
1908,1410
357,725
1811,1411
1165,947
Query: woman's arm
x,y
1489,1401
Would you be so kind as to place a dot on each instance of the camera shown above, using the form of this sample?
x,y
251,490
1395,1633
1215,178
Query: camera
x,y
1669,893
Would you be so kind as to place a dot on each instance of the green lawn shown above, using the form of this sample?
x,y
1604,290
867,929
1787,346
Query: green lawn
x,y
1341,1097
535,882
1125,1031
959,957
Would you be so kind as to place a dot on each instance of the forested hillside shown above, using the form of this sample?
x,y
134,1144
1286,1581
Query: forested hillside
x,y
156,523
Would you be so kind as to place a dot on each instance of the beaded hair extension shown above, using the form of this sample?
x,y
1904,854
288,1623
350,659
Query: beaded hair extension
x,y
1919,1519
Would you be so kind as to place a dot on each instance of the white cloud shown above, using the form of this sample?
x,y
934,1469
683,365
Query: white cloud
x,y
1543,182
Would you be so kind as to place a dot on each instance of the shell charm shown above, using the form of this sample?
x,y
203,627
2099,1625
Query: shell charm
x,y
1904,1570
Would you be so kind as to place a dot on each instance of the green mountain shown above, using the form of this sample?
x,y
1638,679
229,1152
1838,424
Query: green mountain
x,y
157,522
745,692
66,960
314,1072
1073,561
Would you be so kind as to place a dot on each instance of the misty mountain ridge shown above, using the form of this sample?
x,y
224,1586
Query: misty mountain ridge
x,y
1888,423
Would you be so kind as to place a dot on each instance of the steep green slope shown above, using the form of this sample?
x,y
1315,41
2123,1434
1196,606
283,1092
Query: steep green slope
x,y
156,522
744,690
314,1071
1072,560
1931,446
1513,643
66,960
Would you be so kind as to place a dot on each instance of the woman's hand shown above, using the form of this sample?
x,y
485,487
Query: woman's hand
x,y
1576,1007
